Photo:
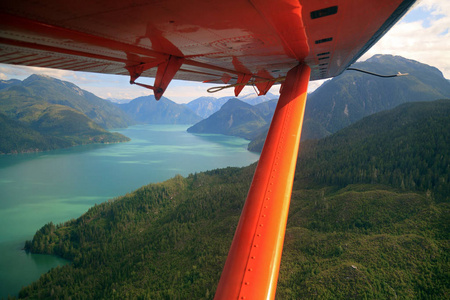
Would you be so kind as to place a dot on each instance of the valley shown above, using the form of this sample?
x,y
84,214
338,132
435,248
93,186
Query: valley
x,y
369,212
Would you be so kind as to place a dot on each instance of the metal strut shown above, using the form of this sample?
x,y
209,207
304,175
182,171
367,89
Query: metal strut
x,y
263,86
252,265
242,81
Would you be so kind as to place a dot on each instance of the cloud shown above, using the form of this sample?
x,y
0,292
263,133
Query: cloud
x,y
117,92
55,73
13,71
425,39
314,85
21,72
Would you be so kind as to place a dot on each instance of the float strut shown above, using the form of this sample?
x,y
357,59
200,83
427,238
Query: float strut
x,y
243,79
164,74
262,85
252,265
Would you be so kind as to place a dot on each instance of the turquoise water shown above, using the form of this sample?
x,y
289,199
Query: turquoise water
x,y
60,185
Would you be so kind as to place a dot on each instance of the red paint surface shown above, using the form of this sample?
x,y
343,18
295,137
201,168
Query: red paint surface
x,y
251,269
107,36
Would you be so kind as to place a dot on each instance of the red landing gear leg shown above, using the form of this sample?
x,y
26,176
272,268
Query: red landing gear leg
x,y
251,269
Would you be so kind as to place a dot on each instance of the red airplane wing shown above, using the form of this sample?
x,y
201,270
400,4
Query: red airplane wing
x,y
224,41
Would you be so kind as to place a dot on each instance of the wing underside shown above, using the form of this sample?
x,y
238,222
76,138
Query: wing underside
x,y
216,41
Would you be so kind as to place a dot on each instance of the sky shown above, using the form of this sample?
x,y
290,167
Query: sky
x,y
423,34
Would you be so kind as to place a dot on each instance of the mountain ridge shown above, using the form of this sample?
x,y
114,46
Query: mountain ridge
x,y
68,94
237,118
347,98
147,110
206,106
42,113
351,96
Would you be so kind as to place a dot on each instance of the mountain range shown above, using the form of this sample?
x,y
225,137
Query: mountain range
x,y
149,111
43,113
43,106
351,96
369,219
40,88
206,106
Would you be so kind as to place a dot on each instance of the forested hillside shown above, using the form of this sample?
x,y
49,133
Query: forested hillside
x,y
17,138
368,223
238,118
43,113
407,147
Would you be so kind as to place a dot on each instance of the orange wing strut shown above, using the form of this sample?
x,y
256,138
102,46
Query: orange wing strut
x,y
251,269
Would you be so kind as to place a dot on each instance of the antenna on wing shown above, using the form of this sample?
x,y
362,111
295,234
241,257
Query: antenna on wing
x,y
376,74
